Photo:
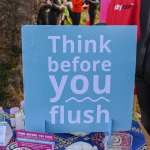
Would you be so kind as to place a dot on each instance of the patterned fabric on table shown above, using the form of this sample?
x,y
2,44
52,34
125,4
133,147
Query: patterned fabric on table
x,y
95,139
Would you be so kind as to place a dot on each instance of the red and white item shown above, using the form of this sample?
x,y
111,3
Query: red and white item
x,y
124,12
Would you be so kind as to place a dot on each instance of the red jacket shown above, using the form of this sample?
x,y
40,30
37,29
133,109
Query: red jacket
x,y
77,6
124,12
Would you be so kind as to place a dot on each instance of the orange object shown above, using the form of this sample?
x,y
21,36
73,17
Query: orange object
x,y
87,16
77,6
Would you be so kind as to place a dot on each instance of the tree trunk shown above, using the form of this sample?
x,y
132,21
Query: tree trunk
x,y
13,14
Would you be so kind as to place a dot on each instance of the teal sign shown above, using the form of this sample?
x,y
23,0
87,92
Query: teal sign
x,y
77,78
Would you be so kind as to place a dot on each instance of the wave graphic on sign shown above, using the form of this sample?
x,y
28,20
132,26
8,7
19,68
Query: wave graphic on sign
x,y
87,98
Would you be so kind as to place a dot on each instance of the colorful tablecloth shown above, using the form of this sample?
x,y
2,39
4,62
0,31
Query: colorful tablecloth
x,y
95,139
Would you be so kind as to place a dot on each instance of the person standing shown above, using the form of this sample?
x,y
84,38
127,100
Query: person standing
x,y
66,13
42,18
139,16
92,10
55,11
142,79
49,11
76,11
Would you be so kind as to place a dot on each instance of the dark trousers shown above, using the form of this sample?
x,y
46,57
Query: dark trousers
x,y
143,94
76,18
42,18
92,13
53,18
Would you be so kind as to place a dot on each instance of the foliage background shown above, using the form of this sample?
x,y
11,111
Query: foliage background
x,y
13,14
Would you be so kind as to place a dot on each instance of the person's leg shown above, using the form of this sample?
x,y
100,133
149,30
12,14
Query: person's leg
x,y
42,17
73,18
63,18
92,14
76,18
143,94
39,18
53,18
45,18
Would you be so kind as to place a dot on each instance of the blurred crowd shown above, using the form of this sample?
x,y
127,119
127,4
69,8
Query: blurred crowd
x,y
55,12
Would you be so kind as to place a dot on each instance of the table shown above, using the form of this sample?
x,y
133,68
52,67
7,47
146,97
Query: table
x,y
64,140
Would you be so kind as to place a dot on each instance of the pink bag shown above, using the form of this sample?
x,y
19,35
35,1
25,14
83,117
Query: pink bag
x,y
103,10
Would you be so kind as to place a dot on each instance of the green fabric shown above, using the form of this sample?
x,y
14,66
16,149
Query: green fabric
x,y
65,12
97,6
